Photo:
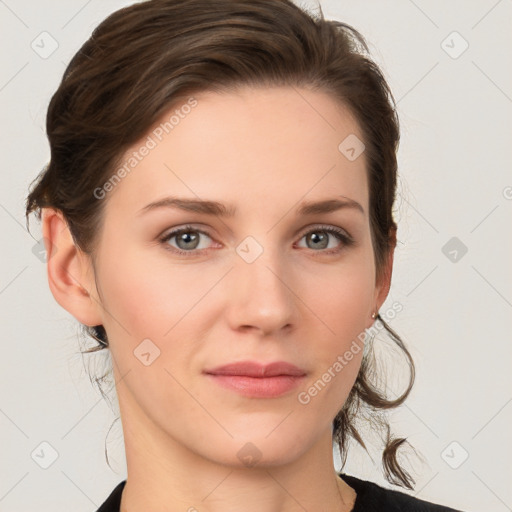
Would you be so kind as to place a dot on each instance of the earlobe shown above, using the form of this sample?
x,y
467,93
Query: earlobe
x,y
70,274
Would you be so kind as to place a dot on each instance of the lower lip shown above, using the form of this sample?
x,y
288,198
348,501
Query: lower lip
x,y
258,387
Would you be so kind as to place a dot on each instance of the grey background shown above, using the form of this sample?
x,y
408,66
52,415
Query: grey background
x,y
454,181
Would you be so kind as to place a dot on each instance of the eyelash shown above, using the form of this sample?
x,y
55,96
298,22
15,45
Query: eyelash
x,y
347,241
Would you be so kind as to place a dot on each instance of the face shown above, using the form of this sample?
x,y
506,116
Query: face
x,y
252,278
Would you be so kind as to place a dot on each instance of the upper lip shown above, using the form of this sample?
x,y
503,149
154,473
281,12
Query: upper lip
x,y
255,369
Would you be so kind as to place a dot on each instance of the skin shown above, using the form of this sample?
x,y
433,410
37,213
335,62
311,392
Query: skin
x,y
265,151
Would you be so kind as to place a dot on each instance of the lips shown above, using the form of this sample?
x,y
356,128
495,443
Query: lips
x,y
256,380
257,370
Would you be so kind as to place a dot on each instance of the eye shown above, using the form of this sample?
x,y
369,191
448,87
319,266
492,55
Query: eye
x,y
318,238
187,240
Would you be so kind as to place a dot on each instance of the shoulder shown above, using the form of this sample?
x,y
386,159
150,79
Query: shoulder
x,y
372,497
113,502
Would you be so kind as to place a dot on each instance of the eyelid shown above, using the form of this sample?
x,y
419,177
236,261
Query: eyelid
x,y
327,227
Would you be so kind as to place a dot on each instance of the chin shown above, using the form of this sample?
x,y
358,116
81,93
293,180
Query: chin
x,y
260,450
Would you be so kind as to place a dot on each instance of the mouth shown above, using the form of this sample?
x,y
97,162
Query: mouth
x,y
253,379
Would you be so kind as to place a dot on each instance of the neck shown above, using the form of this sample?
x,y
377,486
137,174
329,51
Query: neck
x,y
163,474
267,490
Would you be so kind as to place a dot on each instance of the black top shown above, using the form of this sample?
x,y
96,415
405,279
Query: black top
x,y
370,498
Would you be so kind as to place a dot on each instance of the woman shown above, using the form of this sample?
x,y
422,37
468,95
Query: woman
x,y
217,213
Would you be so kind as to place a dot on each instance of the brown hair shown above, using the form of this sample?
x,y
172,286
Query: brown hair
x,y
141,59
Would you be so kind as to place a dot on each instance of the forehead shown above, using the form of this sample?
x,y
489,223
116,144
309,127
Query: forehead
x,y
272,145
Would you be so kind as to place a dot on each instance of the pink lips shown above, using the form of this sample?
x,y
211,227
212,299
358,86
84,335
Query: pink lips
x,y
256,380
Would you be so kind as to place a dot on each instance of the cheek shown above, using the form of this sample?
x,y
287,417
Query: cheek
x,y
150,322
169,305
150,297
343,297
341,301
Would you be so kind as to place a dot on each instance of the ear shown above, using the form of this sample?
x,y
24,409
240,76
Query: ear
x,y
70,271
383,284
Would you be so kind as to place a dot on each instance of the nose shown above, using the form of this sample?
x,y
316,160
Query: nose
x,y
261,295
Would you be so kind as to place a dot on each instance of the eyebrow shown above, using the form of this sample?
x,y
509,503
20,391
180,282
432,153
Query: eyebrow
x,y
219,209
